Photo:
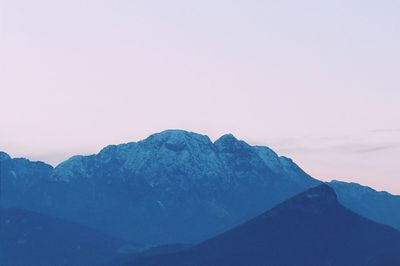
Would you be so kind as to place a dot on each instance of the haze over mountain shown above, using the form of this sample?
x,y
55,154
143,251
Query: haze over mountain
x,y
310,229
173,187
29,238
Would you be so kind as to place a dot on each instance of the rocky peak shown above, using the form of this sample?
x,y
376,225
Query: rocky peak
x,y
230,144
176,140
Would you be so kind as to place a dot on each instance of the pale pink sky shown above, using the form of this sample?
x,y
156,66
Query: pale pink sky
x,y
317,81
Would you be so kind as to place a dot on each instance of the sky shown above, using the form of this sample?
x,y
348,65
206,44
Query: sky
x,y
317,81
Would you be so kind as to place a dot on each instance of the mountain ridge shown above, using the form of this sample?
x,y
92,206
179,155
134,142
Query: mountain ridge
x,y
168,174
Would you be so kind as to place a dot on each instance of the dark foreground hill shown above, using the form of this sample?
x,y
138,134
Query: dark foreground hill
x,y
28,238
311,229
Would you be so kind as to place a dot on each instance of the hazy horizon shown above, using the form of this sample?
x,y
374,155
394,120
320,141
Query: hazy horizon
x,y
316,82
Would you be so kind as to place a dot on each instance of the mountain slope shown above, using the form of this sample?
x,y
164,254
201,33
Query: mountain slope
x,y
22,182
378,206
311,229
29,238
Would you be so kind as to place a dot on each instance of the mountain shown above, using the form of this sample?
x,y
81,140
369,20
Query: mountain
x,y
173,187
310,229
29,238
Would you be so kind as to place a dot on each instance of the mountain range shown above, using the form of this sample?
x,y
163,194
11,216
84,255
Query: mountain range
x,y
173,187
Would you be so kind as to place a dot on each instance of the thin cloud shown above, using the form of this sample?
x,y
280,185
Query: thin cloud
x,y
379,148
337,138
296,150
385,130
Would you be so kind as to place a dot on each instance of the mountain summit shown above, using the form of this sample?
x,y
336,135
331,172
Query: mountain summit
x,y
310,229
315,200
